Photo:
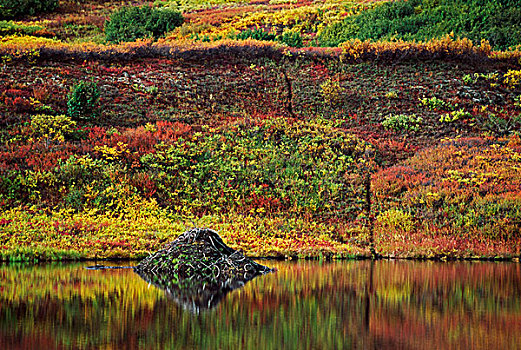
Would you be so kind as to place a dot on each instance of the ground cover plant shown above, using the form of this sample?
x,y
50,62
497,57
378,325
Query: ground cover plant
x,y
110,150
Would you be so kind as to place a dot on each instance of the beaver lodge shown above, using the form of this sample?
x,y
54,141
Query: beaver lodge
x,y
198,269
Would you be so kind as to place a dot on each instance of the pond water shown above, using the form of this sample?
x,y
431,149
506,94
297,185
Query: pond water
x,y
305,305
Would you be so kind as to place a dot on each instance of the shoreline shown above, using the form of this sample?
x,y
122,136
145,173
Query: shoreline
x,y
514,259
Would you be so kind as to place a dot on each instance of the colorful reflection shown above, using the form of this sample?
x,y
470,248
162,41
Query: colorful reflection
x,y
305,305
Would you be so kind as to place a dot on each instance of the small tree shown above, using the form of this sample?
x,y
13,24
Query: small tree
x,y
83,101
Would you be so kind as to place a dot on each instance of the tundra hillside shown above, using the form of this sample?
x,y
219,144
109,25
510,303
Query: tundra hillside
x,y
264,121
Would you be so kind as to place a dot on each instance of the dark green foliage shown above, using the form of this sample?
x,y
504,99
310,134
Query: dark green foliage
x,y
12,188
83,101
75,199
132,23
257,34
499,22
291,39
20,8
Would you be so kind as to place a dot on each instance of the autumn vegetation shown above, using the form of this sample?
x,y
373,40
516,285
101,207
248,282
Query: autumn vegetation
x,y
261,120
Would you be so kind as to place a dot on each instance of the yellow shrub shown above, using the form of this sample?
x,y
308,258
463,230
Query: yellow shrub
x,y
512,78
395,220
51,128
332,91
356,48
112,153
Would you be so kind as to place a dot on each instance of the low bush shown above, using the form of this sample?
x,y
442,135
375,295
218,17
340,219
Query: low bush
x,y
499,123
332,91
433,103
132,23
396,220
464,186
499,22
51,128
291,39
402,122
455,116
256,34
10,28
273,166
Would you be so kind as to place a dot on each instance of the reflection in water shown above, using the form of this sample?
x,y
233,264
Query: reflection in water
x,y
305,305
196,295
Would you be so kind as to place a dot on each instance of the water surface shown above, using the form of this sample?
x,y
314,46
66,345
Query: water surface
x,y
305,305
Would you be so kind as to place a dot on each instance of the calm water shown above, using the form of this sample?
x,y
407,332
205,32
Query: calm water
x,y
305,305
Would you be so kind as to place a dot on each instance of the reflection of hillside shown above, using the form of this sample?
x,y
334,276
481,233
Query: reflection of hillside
x,y
197,295
304,305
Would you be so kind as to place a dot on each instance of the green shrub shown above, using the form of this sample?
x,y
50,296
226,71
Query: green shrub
x,y
132,23
83,101
455,115
10,28
392,17
12,187
517,102
433,103
256,34
499,22
392,95
492,78
402,122
19,8
291,39
79,170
